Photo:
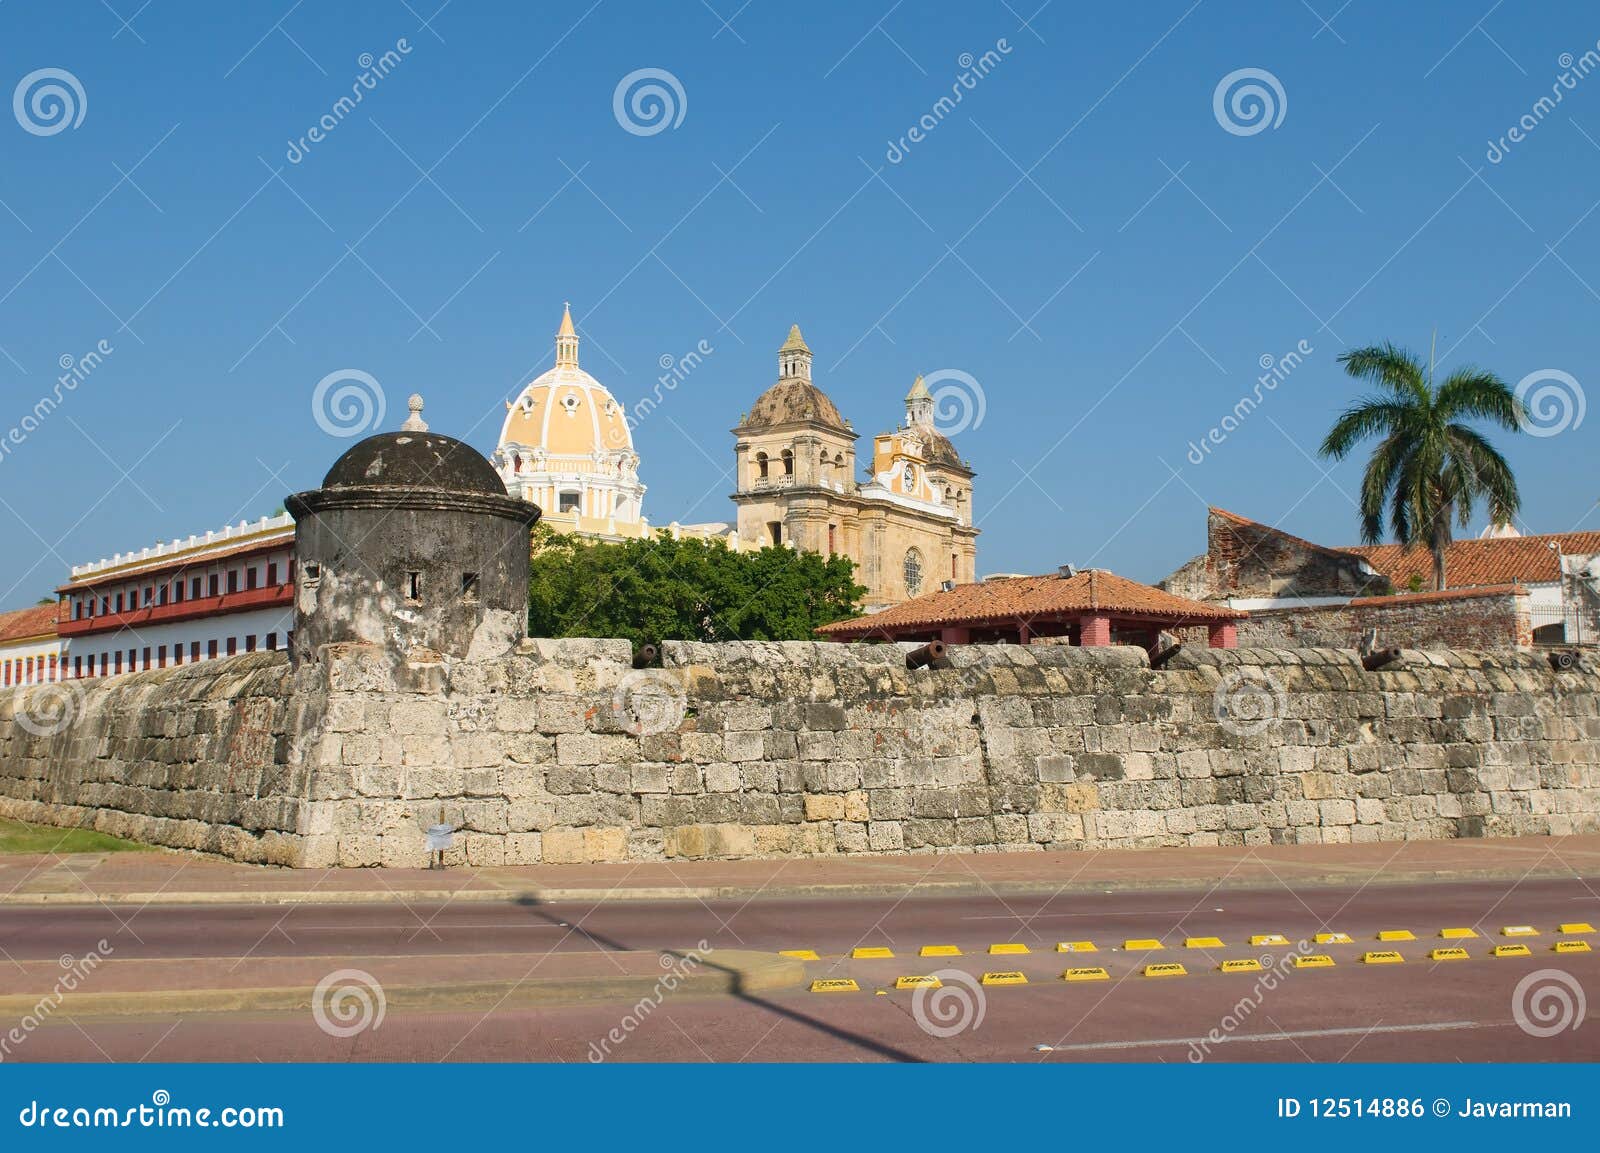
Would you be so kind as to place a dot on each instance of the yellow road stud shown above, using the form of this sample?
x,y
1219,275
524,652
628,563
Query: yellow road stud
x,y
1381,957
1142,944
871,952
800,954
1009,947
1012,978
1269,939
1334,939
939,951
1512,951
1243,965
1088,973
1166,969
1458,934
1577,927
925,982
1314,961
1453,954
1202,943
835,985
1396,935
1572,946
1519,931
1076,947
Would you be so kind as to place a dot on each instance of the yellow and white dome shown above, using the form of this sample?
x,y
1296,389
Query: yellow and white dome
x,y
566,445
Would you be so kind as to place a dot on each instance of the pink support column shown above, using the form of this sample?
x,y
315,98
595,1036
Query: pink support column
x,y
1224,635
1094,631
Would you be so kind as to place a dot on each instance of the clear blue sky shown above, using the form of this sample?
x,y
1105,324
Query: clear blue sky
x,y
1080,235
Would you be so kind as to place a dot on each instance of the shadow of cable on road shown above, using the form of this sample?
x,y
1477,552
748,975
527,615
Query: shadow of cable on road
x,y
738,992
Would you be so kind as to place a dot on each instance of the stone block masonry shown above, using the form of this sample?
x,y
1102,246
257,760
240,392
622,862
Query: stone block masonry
x,y
562,752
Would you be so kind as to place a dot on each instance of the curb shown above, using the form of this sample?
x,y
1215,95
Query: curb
x,y
732,972
964,888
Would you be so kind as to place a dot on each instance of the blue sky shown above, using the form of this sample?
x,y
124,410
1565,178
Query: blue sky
x,y
1081,236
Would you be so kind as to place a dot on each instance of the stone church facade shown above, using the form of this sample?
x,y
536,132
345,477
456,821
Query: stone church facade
x,y
907,525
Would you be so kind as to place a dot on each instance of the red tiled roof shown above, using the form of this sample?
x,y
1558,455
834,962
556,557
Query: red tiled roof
x,y
1035,598
38,621
1503,560
1447,595
1494,561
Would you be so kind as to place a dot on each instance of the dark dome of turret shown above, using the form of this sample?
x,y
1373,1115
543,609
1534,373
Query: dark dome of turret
x,y
408,459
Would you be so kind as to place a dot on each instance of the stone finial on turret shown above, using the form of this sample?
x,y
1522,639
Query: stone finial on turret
x,y
414,422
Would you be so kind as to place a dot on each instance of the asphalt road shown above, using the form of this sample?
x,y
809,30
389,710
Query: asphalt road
x,y
1418,1010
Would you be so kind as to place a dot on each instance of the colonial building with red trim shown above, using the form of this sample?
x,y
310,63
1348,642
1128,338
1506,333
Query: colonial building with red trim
x,y
207,596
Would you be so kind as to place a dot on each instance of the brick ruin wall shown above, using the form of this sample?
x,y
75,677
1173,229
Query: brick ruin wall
x,y
562,752
1463,620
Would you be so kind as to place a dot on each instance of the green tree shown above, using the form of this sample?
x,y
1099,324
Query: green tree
x,y
1431,467
663,589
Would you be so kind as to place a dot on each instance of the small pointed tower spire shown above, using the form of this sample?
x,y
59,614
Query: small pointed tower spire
x,y
566,340
794,358
919,403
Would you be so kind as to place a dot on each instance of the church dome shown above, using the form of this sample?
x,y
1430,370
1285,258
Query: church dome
x,y
565,411
794,397
791,400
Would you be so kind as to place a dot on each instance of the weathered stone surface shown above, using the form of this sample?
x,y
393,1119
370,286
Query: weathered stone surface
x,y
808,749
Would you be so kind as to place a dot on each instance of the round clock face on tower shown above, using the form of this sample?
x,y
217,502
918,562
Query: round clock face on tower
x,y
913,572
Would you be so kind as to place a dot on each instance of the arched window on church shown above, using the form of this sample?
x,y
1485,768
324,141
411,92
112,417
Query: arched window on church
x,y
788,462
761,465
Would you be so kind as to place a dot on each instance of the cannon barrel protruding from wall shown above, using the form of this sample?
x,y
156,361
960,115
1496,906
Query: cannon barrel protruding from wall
x,y
1379,658
930,655
647,656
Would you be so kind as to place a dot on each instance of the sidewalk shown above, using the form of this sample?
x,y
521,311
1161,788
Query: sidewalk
x,y
172,878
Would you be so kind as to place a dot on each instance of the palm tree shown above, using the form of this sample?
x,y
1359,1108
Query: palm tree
x,y
1431,467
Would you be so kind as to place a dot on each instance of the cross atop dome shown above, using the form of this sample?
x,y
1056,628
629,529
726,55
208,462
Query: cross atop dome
x,y
566,340
794,358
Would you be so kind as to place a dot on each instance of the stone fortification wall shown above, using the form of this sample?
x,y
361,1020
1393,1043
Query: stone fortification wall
x,y
562,752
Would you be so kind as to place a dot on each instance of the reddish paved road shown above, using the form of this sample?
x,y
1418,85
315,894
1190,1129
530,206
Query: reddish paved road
x,y
1416,1011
